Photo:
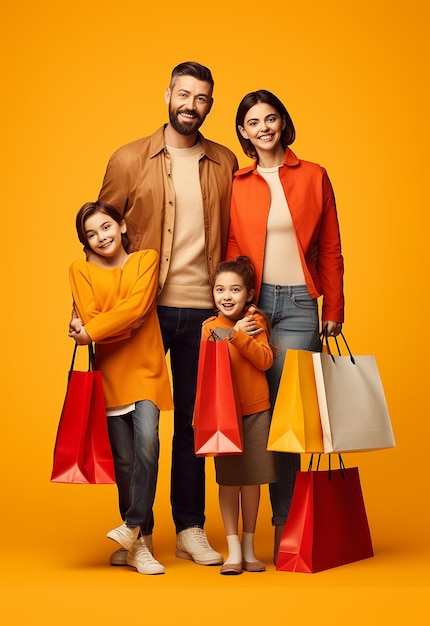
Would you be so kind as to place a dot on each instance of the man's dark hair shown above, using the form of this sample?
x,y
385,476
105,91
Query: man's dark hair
x,y
191,68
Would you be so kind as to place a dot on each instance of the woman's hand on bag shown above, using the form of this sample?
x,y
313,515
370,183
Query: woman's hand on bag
x,y
333,328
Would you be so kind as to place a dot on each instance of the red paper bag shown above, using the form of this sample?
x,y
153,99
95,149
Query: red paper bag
x,y
327,524
82,452
217,420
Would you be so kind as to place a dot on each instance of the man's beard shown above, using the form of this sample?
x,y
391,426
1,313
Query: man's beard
x,y
184,128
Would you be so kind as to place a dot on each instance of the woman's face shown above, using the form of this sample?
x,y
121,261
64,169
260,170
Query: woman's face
x,y
263,126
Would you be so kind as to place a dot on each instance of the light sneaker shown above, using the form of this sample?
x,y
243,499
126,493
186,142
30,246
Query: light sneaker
x,y
141,558
124,535
119,557
192,544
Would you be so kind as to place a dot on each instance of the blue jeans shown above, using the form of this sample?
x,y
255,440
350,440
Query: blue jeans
x,y
135,449
181,332
295,325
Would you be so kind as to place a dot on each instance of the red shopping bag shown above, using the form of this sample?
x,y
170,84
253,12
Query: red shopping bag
x,y
327,524
217,420
82,452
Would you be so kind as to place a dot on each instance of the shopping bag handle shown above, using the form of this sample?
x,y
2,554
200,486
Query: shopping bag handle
x,y
91,358
213,336
324,334
341,464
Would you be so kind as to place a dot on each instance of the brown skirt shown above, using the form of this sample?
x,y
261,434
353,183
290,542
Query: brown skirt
x,y
256,466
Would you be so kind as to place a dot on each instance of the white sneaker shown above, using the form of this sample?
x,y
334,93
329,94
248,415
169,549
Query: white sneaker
x,y
148,543
141,558
119,557
192,544
124,535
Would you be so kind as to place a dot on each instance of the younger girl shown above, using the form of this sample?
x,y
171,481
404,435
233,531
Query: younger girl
x,y
114,298
239,476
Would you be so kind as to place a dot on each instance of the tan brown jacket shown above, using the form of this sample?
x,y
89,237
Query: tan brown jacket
x,y
138,183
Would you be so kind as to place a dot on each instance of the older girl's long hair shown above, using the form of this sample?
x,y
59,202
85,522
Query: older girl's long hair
x,y
90,208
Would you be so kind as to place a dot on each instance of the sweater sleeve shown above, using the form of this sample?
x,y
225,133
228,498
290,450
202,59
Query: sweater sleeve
x,y
207,327
115,324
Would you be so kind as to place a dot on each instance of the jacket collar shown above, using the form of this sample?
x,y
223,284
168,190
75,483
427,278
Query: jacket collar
x,y
290,160
157,145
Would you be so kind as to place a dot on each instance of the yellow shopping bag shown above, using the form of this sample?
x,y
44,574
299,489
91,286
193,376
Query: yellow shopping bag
x,y
296,423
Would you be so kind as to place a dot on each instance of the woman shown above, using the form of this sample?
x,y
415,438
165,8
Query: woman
x,y
283,217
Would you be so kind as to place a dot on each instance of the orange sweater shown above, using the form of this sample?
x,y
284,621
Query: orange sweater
x,y
109,301
250,357
311,202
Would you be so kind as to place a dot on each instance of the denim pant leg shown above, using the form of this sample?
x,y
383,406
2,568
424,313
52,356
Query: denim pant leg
x,y
295,325
181,331
135,447
120,428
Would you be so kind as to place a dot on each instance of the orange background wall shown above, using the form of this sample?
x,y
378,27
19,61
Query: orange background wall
x,y
81,79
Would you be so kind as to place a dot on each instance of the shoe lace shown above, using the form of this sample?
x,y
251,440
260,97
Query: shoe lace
x,y
200,536
143,554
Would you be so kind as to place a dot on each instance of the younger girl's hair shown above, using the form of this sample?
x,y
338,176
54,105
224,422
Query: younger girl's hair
x,y
89,209
242,266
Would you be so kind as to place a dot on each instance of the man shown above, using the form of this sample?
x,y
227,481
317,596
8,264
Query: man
x,y
173,188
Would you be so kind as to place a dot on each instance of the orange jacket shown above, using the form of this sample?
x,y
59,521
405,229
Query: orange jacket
x,y
312,205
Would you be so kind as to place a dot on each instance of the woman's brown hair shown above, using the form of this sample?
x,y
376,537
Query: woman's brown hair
x,y
251,99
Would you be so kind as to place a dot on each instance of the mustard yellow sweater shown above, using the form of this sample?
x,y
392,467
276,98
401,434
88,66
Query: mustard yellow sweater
x,y
109,302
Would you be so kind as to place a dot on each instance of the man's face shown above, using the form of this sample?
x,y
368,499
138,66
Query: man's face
x,y
189,101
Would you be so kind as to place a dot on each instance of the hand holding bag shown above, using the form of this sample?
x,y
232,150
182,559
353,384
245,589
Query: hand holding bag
x,y
296,423
327,524
353,408
82,452
217,420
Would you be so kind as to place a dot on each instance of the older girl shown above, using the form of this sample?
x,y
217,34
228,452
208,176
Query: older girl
x,y
114,298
